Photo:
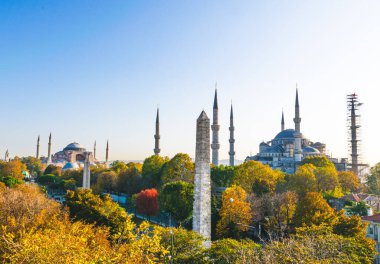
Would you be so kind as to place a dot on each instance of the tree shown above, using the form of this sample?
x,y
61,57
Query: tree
x,y
222,176
225,251
52,169
100,210
152,169
186,244
318,162
179,168
235,213
348,181
257,177
13,168
352,226
312,209
130,180
177,199
33,165
303,180
360,209
327,178
105,182
276,211
373,180
119,166
147,202
10,181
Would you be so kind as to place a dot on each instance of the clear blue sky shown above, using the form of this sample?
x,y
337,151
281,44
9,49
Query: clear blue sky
x,y
96,70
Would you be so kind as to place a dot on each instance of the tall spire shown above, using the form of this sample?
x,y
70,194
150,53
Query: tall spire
x,y
297,118
232,139
95,150
38,147
215,131
6,158
49,151
282,121
107,149
157,135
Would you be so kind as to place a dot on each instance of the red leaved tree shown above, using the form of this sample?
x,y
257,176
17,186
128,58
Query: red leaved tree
x,y
147,202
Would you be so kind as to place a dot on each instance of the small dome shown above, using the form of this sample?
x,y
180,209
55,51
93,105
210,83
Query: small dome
x,y
274,149
75,146
70,166
287,133
264,144
318,144
309,149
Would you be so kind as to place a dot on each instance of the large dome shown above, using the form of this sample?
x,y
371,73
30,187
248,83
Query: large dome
x,y
287,133
75,146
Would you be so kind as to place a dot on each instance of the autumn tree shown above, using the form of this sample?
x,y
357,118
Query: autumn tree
x,y
312,209
152,169
235,213
177,199
348,181
147,202
179,168
13,168
253,176
303,180
119,166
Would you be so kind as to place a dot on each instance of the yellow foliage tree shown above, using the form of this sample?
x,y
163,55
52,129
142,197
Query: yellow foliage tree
x,y
235,213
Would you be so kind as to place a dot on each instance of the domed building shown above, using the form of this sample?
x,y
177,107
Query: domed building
x,y
72,157
289,147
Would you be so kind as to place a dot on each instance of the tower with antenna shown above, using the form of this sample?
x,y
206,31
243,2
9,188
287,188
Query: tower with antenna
x,y
354,141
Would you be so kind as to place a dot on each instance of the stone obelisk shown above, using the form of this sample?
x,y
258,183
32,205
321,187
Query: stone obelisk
x,y
86,171
49,161
38,148
202,187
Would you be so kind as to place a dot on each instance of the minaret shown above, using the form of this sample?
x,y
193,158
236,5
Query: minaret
x,y
297,118
49,151
232,139
157,135
86,172
282,122
107,149
297,133
6,158
202,182
38,147
215,132
95,150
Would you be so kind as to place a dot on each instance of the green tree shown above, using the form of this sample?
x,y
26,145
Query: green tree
x,y
318,162
360,209
177,199
222,176
225,251
52,169
373,180
130,180
105,182
179,168
33,165
100,210
10,181
152,169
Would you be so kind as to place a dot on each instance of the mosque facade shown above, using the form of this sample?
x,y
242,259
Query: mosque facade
x,y
289,147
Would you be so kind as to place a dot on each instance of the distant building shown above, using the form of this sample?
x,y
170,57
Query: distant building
x,y
289,147
373,230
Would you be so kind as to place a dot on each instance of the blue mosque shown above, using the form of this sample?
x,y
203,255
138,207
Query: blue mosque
x,y
289,147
